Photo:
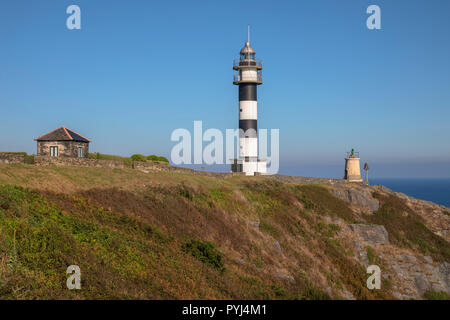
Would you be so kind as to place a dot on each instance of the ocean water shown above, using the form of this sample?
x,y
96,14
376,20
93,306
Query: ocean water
x,y
435,190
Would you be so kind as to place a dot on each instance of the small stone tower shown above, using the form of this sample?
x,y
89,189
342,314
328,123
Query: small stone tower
x,y
352,169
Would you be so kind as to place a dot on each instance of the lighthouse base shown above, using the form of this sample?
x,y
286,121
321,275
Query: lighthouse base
x,y
251,166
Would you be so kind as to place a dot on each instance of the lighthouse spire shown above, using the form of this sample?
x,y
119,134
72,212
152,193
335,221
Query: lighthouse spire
x,y
248,33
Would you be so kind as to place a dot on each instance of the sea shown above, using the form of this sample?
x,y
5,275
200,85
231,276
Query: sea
x,y
435,190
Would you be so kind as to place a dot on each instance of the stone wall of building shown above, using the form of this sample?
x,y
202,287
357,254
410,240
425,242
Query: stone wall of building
x,y
77,162
12,157
66,149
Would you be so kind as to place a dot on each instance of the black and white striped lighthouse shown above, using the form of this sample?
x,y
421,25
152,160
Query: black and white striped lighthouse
x,y
248,78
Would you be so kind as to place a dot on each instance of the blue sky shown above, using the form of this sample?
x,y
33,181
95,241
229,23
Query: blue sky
x,y
137,70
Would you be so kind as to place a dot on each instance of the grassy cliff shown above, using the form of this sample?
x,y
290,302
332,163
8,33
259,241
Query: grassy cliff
x,y
179,236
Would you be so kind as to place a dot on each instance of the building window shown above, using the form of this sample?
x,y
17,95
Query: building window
x,y
80,152
53,151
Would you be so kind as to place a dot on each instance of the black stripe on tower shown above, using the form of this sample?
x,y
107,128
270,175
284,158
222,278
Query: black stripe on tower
x,y
249,127
247,91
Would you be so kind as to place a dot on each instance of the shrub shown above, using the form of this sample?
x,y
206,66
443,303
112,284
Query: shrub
x,y
205,252
138,157
157,159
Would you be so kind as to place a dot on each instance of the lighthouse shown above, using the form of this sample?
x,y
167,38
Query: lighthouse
x,y
248,78
352,168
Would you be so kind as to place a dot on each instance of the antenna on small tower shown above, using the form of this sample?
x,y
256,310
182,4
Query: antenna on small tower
x,y
248,33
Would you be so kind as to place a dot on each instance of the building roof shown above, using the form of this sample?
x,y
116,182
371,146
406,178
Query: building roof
x,y
63,134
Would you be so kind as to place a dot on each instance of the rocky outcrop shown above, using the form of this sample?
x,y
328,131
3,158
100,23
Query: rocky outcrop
x,y
416,275
435,216
374,234
358,197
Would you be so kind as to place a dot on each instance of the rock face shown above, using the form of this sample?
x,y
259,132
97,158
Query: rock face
x,y
358,197
444,269
375,234
422,283
417,276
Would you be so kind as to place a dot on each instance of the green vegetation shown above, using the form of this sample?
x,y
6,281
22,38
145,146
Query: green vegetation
x,y
100,156
205,252
436,295
311,292
320,200
327,230
127,161
157,159
29,159
270,229
370,254
138,157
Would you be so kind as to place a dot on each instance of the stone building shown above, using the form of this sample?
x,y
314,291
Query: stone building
x,y
63,142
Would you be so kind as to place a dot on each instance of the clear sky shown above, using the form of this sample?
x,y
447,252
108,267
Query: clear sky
x,y
137,70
